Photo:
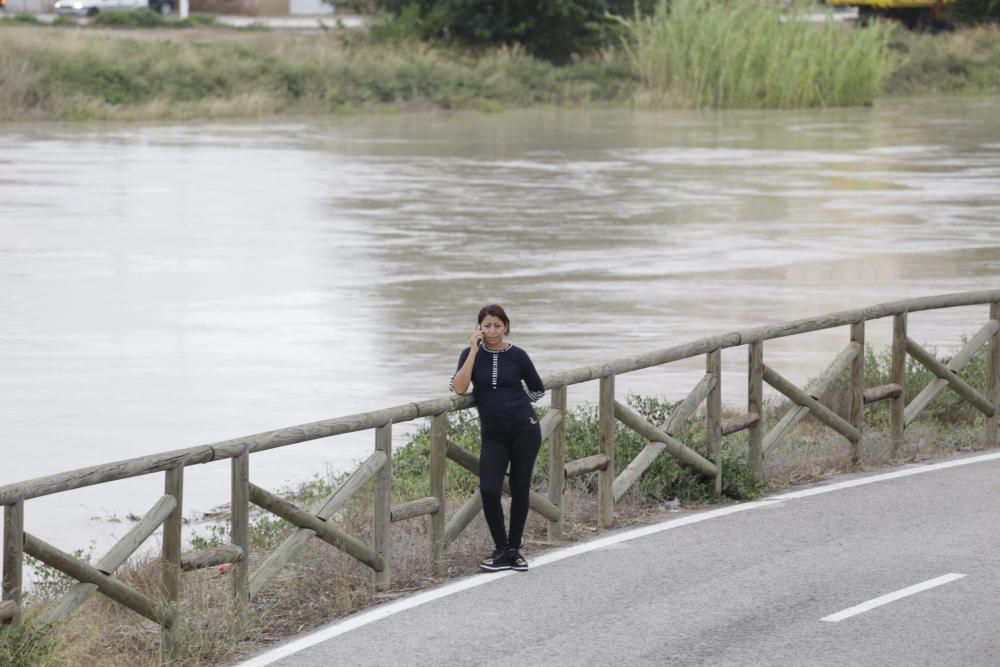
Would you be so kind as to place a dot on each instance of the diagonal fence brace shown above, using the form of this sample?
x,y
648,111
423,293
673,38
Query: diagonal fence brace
x,y
8,610
675,424
815,388
818,410
330,506
463,517
465,514
470,462
324,530
674,447
107,585
961,358
956,383
115,558
549,423
690,403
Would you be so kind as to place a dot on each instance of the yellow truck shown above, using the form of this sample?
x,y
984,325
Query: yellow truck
x,y
911,13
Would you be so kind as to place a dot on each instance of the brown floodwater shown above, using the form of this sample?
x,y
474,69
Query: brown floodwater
x,y
166,286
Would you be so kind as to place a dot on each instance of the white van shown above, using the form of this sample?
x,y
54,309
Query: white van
x,y
94,7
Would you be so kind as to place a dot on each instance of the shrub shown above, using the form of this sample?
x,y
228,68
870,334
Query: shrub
x,y
26,645
83,75
664,478
553,30
140,18
48,583
947,408
147,18
974,11
965,60
21,19
267,530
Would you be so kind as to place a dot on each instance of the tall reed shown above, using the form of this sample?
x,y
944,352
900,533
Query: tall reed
x,y
755,54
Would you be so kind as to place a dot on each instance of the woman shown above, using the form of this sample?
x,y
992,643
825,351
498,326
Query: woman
x,y
509,427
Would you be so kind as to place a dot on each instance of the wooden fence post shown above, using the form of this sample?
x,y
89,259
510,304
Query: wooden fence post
x,y
170,566
606,441
13,554
713,414
897,375
858,389
755,403
993,379
240,527
383,506
557,463
439,461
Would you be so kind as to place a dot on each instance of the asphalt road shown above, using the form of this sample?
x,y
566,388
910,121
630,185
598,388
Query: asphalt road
x,y
746,585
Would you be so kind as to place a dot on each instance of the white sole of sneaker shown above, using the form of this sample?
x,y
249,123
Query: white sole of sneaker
x,y
490,568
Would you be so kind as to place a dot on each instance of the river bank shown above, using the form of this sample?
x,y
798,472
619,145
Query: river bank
x,y
213,72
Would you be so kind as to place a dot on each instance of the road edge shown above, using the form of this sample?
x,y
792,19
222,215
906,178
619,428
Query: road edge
x,y
366,617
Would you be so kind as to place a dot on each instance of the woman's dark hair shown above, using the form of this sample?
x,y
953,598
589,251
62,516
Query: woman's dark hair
x,y
496,311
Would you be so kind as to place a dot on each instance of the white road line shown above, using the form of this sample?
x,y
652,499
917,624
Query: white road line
x,y
383,611
906,472
891,597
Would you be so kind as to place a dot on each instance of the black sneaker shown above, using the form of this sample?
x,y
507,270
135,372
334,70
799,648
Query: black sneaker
x,y
499,560
517,561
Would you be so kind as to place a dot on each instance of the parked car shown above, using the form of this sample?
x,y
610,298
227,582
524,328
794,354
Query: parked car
x,y
94,7
162,6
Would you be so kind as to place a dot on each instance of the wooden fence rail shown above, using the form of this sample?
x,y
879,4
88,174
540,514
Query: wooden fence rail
x,y
665,438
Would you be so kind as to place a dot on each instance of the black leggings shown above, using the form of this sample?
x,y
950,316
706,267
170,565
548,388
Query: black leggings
x,y
514,440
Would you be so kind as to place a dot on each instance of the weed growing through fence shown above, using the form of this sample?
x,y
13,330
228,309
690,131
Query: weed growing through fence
x,y
947,408
27,645
48,582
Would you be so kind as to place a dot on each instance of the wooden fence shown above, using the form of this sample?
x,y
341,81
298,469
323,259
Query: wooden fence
x,y
314,522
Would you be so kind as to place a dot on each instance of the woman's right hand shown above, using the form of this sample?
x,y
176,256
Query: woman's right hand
x,y
477,338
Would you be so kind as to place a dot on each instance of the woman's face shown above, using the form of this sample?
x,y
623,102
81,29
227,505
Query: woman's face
x,y
493,330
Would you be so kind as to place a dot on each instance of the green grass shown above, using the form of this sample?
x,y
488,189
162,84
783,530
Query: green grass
x,y
963,61
751,53
948,409
26,645
755,54
664,478
147,18
110,76
20,19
